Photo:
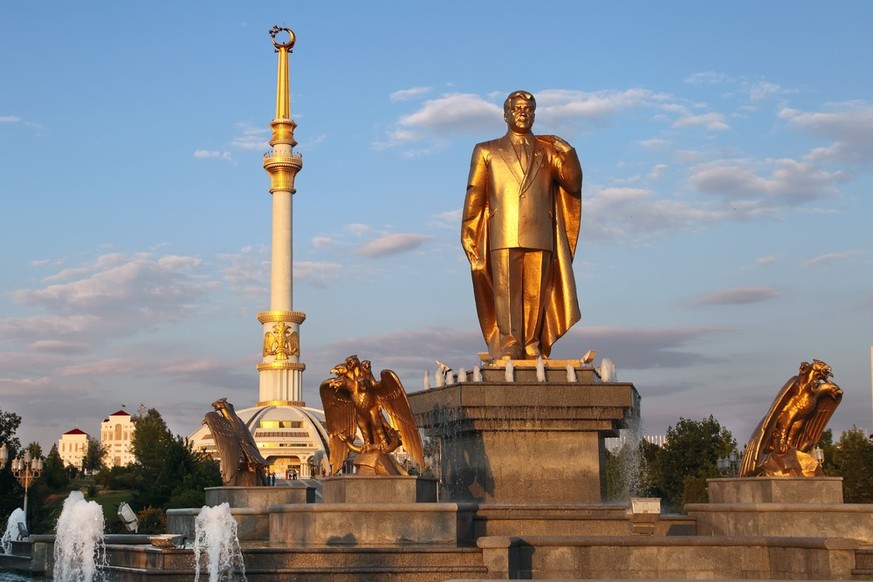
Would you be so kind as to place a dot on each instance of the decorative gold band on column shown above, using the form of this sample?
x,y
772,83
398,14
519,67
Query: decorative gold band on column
x,y
280,403
281,316
281,365
283,132
282,170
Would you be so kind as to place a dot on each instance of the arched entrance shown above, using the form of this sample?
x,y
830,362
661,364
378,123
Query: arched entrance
x,y
287,467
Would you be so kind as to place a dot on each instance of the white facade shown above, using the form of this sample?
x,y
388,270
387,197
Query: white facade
x,y
116,436
290,438
72,447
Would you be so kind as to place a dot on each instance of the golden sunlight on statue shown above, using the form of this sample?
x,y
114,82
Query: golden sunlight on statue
x,y
354,402
785,437
519,230
242,464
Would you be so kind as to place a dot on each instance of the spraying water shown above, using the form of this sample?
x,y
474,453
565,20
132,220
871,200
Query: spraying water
x,y
79,549
215,539
12,531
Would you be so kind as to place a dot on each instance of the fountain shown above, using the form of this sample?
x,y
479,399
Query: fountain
x,y
79,551
216,542
13,530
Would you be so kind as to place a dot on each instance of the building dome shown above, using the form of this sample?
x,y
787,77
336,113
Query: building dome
x,y
291,438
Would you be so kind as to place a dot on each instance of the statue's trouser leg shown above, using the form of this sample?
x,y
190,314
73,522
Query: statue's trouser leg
x,y
519,277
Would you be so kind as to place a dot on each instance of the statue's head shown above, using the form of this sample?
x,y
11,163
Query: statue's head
x,y
821,370
518,111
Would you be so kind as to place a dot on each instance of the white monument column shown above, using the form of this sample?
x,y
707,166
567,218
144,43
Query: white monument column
x,y
280,371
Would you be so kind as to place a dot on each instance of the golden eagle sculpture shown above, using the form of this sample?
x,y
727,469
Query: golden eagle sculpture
x,y
241,462
782,443
355,401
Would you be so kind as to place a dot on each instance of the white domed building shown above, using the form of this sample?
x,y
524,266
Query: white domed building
x,y
291,438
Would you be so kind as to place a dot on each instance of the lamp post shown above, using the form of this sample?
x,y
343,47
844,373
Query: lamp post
x,y
729,466
25,470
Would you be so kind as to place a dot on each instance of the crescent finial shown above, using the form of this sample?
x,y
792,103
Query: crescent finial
x,y
279,45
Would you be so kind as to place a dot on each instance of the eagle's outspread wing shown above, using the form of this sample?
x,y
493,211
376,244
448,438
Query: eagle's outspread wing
x,y
394,403
224,435
763,435
339,416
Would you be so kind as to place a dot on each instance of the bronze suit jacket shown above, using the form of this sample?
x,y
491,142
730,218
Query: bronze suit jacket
x,y
499,212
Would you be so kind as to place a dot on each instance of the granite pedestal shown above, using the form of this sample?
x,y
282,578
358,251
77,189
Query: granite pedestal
x,y
371,512
525,441
782,506
248,505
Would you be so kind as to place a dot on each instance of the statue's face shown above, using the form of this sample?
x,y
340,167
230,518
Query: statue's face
x,y
520,116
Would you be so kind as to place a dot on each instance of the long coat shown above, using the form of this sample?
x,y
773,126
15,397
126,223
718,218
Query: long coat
x,y
538,207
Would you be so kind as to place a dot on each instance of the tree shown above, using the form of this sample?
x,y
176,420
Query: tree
x,y
9,423
690,457
54,473
169,472
94,454
149,432
35,450
853,461
9,488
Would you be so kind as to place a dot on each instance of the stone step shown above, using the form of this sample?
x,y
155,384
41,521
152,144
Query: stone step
x,y
340,564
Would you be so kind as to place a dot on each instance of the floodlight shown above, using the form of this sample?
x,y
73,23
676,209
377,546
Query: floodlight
x,y
128,517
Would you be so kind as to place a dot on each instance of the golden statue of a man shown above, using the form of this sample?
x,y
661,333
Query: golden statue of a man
x,y
519,229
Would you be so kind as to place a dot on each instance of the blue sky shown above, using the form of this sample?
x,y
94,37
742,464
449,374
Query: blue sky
x,y
727,157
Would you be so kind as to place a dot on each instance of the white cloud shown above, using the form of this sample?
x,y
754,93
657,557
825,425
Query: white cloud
x,y
766,260
358,228
558,110
392,244
252,138
323,242
744,187
448,219
451,113
247,271
556,104
654,143
317,273
761,90
712,120
411,93
10,119
848,124
115,295
628,214
657,172
829,258
213,154
708,78
737,296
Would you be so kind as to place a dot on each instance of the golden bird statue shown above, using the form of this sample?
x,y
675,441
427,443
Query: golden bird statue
x,y
242,464
354,401
782,442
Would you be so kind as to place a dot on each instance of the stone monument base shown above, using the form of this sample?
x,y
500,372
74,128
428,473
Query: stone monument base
x,y
379,489
781,507
524,440
248,505
373,511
